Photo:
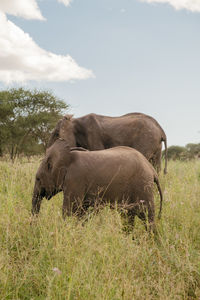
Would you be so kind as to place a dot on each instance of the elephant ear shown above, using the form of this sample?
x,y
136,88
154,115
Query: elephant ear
x,y
58,161
49,164
48,160
64,152
66,130
63,146
68,117
58,153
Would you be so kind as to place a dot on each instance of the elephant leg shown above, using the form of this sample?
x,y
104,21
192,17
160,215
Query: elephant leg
x,y
130,220
151,216
142,217
131,217
73,198
67,206
156,160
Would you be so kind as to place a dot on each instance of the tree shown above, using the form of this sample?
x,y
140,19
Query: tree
x,y
27,118
177,152
193,149
190,151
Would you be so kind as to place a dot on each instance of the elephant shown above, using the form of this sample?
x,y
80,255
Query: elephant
x,y
97,132
116,175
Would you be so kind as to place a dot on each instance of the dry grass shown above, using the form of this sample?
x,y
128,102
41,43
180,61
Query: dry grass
x,y
53,259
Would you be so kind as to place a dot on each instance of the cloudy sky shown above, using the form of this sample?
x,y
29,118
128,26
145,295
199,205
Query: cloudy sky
x,y
110,57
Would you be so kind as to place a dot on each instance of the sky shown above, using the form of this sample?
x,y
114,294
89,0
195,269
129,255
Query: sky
x,y
109,57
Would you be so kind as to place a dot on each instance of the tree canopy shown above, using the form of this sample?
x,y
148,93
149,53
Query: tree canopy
x,y
190,151
26,120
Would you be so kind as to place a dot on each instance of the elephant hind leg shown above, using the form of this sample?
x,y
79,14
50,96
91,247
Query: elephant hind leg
x,y
147,215
143,218
129,220
151,216
156,160
131,217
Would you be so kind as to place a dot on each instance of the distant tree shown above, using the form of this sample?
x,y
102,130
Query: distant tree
x,y
177,152
190,151
193,149
27,119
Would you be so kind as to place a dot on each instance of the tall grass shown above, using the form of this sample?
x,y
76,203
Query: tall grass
x,y
97,259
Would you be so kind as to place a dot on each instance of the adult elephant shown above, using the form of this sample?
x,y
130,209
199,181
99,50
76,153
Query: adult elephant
x,y
97,132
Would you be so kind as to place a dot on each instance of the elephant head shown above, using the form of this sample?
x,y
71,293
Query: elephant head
x,y
64,130
51,174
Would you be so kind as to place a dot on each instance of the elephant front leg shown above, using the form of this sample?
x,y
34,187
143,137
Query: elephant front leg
x,y
67,206
72,205
72,201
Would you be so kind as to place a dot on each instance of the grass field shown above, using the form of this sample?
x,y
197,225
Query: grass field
x,y
53,259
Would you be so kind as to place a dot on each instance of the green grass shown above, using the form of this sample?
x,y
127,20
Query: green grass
x,y
53,259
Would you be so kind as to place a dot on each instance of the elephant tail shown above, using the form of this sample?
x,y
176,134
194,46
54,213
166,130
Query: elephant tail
x,y
161,195
164,139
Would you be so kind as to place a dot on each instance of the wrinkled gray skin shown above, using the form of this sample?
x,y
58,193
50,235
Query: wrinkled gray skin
x,y
96,132
115,175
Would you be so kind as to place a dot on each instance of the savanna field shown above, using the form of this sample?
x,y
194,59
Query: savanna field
x,y
99,258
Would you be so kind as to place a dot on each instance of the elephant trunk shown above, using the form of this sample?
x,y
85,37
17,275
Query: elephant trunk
x,y
36,201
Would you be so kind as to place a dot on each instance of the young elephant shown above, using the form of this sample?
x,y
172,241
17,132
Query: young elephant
x,y
119,174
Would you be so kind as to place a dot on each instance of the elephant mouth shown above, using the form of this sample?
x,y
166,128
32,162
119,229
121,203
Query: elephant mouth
x,y
48,196
42,193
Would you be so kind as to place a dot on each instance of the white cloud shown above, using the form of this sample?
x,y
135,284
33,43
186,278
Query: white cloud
x,y
27,9
66,2
192,5
122,10
21,59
